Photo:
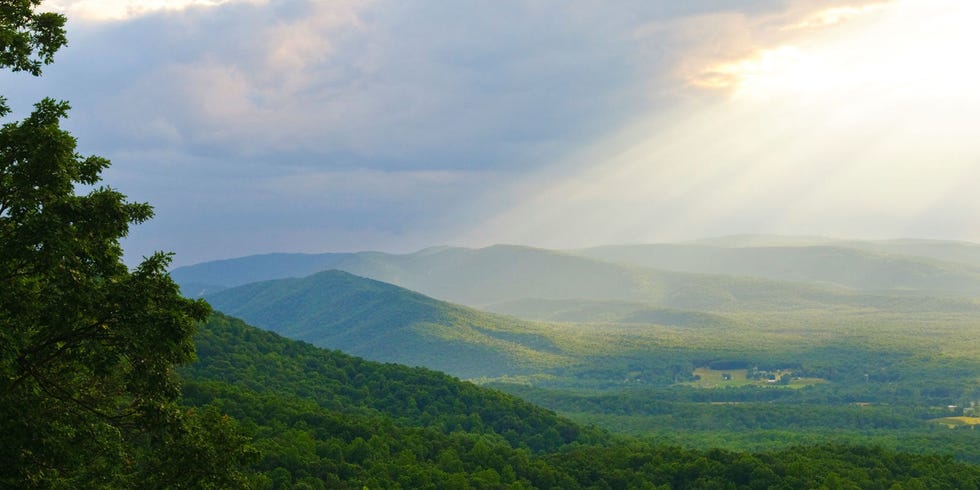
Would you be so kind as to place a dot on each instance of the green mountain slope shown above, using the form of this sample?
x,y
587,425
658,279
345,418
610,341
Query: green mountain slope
x,y
231,351
380,321
323,419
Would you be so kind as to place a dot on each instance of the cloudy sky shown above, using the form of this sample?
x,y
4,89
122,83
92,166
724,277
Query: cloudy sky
x,y
306,126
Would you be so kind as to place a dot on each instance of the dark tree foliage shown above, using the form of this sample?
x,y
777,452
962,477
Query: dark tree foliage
x,y
88,348
28,39
231,351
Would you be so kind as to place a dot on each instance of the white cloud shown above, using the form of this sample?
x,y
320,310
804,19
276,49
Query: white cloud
x,y
835,15
118,10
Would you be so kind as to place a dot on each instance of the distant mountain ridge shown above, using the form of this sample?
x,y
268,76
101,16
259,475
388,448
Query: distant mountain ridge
x,y
703,277
213,276
444,272
864,269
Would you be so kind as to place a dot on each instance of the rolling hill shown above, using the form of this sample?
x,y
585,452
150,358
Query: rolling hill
x,y
379,321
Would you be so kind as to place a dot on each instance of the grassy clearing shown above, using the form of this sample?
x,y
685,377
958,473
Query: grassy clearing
x,y
724,378
711,378
954,422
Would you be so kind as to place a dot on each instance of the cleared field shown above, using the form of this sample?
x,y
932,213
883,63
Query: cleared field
x,y
721,378
954,422
711,378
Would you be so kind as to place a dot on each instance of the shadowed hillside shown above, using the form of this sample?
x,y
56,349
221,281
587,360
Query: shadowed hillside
x,y
380,321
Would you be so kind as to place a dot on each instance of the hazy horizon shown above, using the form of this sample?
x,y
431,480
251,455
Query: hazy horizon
x,y
746,240
255,126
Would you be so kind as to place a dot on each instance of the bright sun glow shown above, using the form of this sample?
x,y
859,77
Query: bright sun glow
x,y
770,70
868,117
905,48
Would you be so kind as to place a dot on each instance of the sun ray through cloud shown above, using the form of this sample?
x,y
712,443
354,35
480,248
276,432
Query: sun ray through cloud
x,y
846,129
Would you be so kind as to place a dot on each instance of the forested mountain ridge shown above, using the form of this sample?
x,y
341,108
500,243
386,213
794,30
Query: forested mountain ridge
x,y
230,351
384,322
323,419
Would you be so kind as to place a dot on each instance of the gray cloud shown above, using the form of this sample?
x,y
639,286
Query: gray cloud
x,y
306,125
389,84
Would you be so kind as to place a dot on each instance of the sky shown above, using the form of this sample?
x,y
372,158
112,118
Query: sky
x,y
257,126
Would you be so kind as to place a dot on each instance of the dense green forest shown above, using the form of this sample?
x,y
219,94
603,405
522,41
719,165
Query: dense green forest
x,y
323,419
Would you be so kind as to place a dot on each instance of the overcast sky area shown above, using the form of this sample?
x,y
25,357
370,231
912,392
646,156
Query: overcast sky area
x,y
312,126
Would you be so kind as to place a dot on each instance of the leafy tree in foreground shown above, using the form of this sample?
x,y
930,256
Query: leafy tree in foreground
x,y
87,348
